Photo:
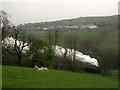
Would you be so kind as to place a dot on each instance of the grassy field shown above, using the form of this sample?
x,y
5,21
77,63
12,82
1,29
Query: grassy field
x,y
40,34
110,40
77,33
81,34
21,77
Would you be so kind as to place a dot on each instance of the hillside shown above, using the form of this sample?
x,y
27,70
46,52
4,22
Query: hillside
x,y
22,77
99,21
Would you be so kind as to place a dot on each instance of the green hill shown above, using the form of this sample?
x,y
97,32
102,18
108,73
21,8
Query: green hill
x,y
22,77
99,21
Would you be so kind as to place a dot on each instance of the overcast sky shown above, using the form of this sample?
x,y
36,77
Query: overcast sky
x,y
25,11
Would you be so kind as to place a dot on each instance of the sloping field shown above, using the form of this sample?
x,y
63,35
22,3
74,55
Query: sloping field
x,y
22,77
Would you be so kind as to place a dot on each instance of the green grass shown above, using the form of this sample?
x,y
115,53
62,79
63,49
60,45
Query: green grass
x,y
40,34
21,77
110,40
37,32
115,72
81,34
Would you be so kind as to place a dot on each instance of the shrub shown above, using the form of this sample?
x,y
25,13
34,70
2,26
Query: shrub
x,y
41,53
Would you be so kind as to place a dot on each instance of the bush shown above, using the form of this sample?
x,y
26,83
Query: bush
x,y
41,53
8,56
108,59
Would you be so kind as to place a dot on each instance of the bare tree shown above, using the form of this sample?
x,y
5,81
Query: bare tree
x,y
53,36
19,47
72,44
4,23
56,36
50,36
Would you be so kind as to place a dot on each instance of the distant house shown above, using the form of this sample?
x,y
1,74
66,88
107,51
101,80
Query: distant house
x,y
88,26
70,26
92,27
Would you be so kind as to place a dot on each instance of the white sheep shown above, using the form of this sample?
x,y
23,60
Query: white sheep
x,y
40,69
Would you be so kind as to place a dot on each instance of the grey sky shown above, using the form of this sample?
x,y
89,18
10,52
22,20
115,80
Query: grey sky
x,y
49,10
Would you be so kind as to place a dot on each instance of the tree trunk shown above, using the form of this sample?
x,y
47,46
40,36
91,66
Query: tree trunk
x,y
19,59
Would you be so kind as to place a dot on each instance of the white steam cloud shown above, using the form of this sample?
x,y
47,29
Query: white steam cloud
x,y
79,56
10,41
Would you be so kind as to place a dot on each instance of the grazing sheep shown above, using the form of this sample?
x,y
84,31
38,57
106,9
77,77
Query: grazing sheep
x,y
40,69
